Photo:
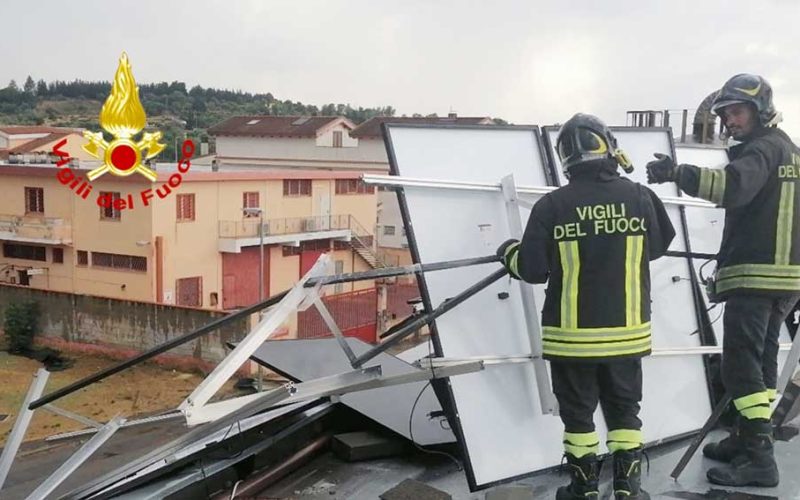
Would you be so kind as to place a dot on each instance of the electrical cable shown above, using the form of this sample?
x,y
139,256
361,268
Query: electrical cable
x,y
411,416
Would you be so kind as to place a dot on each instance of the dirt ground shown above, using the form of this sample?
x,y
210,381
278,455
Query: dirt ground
x,y
141,390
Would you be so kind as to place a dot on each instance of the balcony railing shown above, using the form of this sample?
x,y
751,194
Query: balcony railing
x,y
361,240
248,228
34,228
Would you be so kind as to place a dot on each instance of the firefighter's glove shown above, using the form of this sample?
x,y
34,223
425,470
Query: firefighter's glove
x,y
661,170
508,252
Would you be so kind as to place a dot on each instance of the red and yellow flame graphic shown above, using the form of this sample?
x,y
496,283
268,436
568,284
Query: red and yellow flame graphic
x,y
123,117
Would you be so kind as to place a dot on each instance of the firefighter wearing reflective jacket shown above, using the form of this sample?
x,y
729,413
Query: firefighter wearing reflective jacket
x,y
758,266
593,240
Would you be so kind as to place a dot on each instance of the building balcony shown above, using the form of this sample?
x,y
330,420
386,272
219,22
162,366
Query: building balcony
x,y
35,229
233,235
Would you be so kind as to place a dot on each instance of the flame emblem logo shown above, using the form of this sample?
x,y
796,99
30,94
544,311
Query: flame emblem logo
x,y
123,117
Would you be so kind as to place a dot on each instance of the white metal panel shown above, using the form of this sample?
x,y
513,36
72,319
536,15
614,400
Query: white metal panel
x,y
504,430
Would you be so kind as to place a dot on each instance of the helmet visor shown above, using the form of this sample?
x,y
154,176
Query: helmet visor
x,y
584,141
717,107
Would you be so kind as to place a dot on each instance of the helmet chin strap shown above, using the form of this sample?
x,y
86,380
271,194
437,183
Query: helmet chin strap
x,y
623,160
775,120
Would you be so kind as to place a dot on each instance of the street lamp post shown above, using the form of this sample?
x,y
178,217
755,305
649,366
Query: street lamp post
x,y
260,213
260,255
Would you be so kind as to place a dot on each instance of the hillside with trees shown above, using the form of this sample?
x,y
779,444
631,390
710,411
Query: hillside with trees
x,y
171,108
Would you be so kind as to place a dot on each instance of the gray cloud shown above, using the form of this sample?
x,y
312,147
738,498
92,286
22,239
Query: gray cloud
x,y
525,61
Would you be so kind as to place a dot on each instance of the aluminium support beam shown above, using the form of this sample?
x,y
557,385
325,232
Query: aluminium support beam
x,y
399,181
547,399
21,423
76,460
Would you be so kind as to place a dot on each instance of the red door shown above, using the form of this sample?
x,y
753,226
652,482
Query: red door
x,y
228,288
240,277
307,260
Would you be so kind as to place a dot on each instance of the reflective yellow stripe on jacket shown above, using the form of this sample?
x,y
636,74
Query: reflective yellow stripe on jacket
x,y
596,342
780,276
759,276
570,340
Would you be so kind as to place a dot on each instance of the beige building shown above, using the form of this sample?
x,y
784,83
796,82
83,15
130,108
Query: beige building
x,y
325,143
193,245
34,144
306,142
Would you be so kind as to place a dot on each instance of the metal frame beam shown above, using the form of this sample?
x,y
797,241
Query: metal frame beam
x,y
73,416
334,328
547,399
293,300
261,403
334,385
21,423
76,460
427,363
397,181
127,423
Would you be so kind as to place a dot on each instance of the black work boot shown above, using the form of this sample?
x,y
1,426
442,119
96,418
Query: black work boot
x,y
727,449
628,475
585,475
756,466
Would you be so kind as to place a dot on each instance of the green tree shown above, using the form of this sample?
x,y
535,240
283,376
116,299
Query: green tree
x,y
41,88
30,86
20,325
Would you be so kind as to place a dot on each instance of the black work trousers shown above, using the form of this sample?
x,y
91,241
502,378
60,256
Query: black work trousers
x,y
617,385
750,346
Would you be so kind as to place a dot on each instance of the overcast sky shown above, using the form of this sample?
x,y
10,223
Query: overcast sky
x,y
531,62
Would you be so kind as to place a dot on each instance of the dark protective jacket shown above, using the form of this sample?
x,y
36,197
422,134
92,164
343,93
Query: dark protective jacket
x,y
758,189
592,240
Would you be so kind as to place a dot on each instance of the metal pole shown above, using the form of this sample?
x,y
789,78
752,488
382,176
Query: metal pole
x,y
260,373
21,424
400,271
424,320
337,332
791,364
683,125
261,255
694,255
698,439
397,182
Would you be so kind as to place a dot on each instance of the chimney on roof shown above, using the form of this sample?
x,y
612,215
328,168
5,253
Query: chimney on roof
x,y
452,115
